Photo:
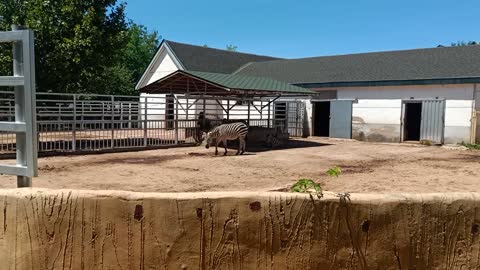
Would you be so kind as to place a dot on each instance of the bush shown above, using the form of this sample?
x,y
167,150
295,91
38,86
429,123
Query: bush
x,y
473,146
426,142
308,185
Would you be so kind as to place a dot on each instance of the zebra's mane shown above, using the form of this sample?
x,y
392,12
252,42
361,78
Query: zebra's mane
x,y
213,131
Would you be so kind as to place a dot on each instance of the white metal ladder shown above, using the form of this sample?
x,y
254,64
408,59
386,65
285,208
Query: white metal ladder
x,y
23,81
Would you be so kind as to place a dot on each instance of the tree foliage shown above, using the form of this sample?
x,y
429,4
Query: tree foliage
x,y
231,47
464,43
334,171
228,47
139,50
80,46
305,185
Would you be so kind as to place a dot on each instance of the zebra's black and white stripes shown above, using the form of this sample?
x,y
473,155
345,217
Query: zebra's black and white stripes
x,y
273,141
228,132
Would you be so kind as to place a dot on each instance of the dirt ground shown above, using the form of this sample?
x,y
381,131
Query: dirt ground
x,y
367,167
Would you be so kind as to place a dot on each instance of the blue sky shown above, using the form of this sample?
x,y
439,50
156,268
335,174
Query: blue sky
x,y
293,29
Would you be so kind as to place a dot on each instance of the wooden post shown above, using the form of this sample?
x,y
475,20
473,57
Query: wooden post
x,y
103,115
286,117
261,109
204,111
176,119
59,118
187,109
145,123
74,127
228,109
129,115
113,121
268,117
248,116
121,115
82,126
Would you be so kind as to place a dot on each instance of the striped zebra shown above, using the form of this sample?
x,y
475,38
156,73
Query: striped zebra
x,y
228,132
273,141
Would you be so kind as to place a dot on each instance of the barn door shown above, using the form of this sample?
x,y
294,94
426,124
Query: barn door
x,y
341,119
432,125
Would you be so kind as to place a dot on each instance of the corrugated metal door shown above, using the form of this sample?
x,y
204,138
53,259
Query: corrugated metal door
x,y
341,119
432,125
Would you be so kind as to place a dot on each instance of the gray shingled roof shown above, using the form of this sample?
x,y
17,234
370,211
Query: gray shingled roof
x,y
199,58
420,64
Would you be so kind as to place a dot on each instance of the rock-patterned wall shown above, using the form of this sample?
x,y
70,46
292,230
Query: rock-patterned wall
x,y
62,229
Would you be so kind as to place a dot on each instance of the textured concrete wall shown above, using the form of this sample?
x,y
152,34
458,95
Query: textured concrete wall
x,y
45,229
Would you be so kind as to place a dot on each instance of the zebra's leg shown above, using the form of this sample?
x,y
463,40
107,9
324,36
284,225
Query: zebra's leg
x,y
216,147
225,146
239,146
242,145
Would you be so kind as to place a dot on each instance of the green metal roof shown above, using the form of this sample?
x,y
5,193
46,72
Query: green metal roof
x,y
252,83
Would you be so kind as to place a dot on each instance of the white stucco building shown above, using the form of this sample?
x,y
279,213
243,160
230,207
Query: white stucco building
x,y
411,95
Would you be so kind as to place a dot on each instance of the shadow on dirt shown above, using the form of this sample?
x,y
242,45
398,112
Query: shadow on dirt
x,y
142,160
194,154
292,144
467,157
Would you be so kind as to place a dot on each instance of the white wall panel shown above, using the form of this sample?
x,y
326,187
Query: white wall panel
x,y
164,67
380,111
458,113
452,92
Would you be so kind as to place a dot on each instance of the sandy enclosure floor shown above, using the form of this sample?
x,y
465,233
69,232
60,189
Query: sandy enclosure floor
x,y
367,167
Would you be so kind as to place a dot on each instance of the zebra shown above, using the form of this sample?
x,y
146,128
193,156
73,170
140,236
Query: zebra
x,y
273,141
228,132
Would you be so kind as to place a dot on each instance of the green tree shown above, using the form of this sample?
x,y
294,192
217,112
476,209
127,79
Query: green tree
x,y
78,44
464,43
139,50
231,47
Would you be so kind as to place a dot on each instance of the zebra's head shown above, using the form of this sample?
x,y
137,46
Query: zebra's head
x,y
208,139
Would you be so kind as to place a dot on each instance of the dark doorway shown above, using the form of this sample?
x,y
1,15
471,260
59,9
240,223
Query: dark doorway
x,y
412,121
170,111
321,116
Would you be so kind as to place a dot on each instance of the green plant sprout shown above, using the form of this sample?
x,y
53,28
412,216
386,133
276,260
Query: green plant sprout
x,y
426,142
307,185
471,146
334,171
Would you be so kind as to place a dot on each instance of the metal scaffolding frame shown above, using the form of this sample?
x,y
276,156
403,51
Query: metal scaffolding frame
x,y
186,107
228,87
24,127
76,123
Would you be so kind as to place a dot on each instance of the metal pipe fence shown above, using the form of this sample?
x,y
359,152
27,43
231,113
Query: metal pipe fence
x,y
81,122
21,120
